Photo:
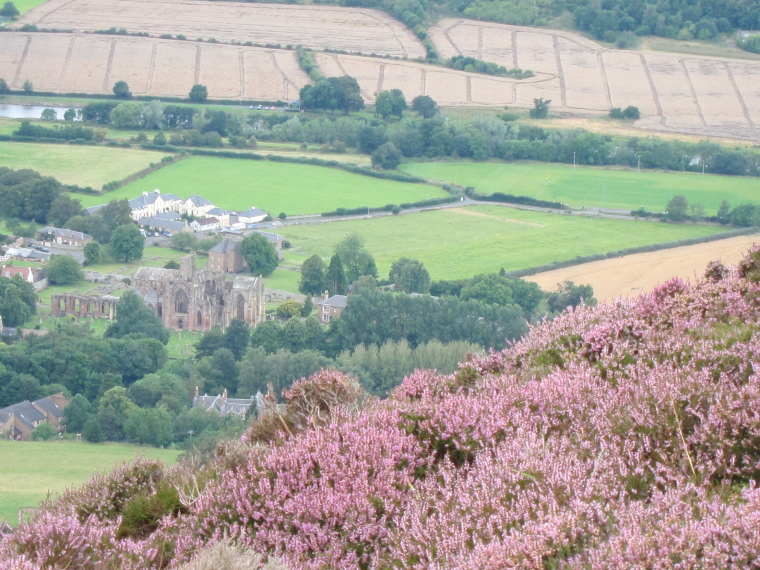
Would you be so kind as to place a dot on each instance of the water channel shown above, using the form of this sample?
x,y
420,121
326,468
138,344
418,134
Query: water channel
x,y
29,111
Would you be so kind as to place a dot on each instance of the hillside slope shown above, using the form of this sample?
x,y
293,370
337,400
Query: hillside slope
x,y
622,436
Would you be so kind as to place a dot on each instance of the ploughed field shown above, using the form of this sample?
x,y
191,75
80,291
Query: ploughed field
x,y
318,27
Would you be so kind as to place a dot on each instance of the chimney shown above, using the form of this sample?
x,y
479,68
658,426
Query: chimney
x,y
196,392
157,191
224,397
326,296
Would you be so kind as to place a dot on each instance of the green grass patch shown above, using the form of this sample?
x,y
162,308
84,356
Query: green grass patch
x,y
237,184
75,164
284,279
594,187
24,6
32,470
462,242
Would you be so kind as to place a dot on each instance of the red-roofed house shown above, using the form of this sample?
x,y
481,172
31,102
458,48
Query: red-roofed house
x,y
25,272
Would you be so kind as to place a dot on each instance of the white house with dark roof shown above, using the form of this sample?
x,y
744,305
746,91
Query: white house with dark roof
x,y
151,203
251,215
196,206
222,215
205,224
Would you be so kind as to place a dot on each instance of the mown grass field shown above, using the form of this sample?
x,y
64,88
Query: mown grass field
x,y
594,187
462,242
31,470
238,184
77,164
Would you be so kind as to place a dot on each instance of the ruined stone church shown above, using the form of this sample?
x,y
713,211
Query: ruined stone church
x,y
189,299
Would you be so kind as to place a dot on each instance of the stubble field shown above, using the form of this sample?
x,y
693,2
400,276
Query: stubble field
x,y
318,27
70,63
634,274
691,94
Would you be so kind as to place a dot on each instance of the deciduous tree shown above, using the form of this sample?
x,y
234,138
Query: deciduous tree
x,y
63,270
260,254
198,93
127,243
134,316
313,280
121,90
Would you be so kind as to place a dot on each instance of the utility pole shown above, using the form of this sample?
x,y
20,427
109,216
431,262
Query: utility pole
x,y
638,167
573,160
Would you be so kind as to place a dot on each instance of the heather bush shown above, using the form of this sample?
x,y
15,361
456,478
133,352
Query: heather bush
x,y
620,436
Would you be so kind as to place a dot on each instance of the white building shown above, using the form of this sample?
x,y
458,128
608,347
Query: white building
x,y
196,206
152,203
251,216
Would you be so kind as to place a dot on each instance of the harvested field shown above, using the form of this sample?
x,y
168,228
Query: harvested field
x,y
633,274
319,27
704,96
447,86
68,63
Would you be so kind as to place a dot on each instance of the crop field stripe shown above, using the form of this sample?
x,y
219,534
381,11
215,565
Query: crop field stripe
x,y
693,91
558,56
241,62
22,61
109,66
653,87
197,77
513,36
151,69
65,63
605,82
739,96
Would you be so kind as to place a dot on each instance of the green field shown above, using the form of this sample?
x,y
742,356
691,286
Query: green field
x,y
31,470
238,184
462,242
75,164
594,187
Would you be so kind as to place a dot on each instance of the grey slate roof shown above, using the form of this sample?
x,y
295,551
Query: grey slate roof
x,y
225,245
274,238
63,233
170,215
26,413
251,212
198,200
149,198
49,406
338,301
92,209
217,212
162,224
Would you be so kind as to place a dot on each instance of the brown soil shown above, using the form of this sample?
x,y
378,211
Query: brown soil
x,y
633,274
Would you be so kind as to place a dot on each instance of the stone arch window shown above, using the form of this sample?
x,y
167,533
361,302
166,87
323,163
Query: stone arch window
x,y
180,324
240,308
181,302
200,319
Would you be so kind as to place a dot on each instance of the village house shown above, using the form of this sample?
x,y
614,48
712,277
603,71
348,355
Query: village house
x,y
331,308
227,256
19,420
275,239
205,224
151,203
50,236
26,273
155,223
223,405
251,216
222,215
196,206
